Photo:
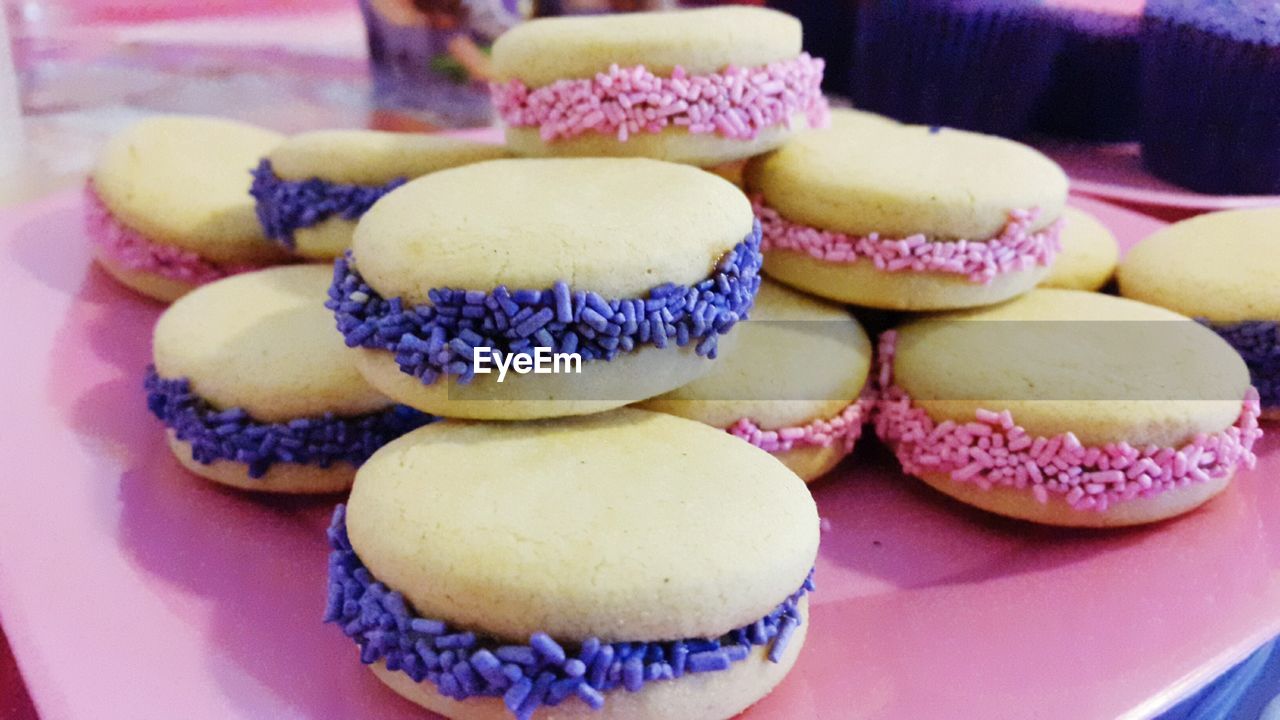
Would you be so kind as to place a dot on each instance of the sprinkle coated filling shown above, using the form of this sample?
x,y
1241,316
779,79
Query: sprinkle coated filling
x,y
736,103
233,435
284,206
843,429
132,250
1014,248
1258,342
439,338
991,451
461,664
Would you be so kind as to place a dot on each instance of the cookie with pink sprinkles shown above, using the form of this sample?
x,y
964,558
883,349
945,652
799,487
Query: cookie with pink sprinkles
x,y
907,217
795,386
702,87
1067,408
167,207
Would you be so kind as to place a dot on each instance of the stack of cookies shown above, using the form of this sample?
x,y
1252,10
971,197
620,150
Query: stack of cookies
x,y
454,330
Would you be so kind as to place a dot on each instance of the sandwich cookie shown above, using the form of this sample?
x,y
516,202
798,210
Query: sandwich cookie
x,y
1220,268
906,217
1089,253
257,391
594,582
619,277
312,188
793,387
167,207
703,87
1067,408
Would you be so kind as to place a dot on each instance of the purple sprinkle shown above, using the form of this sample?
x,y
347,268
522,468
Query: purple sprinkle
x,y
785,631
455,641
525,676
232,435
285,206
517,693
591,696
549,649
573,321
427,627
633,673
707,661
517,654
562,689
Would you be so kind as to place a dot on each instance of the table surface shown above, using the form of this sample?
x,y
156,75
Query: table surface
x,y
293,72
118,568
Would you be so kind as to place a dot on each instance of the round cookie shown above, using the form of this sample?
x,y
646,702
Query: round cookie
x,y
167,205
567,260
257,391
597,583
1067,408
907,217
1089,253
1221,269
793,385
312,188
704,87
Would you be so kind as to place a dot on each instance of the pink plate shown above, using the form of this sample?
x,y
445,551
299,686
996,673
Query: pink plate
x,y
130,589
1115,172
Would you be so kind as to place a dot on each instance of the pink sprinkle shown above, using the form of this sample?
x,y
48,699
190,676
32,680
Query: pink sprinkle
x,y
1060,465
1014,248
824,524
737,103
844,428
132,250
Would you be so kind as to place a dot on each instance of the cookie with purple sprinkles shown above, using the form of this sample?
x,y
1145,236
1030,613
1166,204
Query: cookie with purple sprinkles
x,y
794,385
519,289
1221,269
256,390
313,187
594,581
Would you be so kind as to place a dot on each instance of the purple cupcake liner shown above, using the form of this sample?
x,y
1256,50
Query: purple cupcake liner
x,y
828,34
462,665
284,206
232,435
1094,88
1210,109
1258,342
973,64
440,338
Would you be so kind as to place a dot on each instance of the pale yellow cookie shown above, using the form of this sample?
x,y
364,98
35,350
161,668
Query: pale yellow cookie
x,y
701,41
184,181
263,342
865,176
1089,253
610,226
583,527
365,158
370,157
1106,369
901,180
1219,266
798,360
152,285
